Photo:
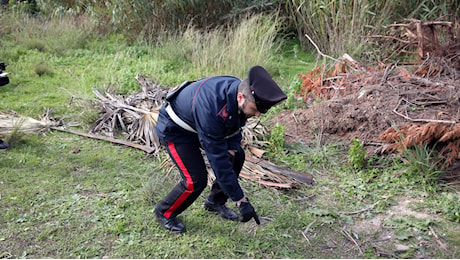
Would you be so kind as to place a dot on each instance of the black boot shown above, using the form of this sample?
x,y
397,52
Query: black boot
x,y
171,224
4,145
222,210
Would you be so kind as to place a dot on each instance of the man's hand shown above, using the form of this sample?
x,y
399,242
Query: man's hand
x,y
247,212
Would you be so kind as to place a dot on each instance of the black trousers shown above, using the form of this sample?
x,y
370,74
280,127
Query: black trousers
x,y
191,165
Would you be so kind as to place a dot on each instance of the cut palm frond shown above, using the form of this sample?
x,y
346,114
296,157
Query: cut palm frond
x,y
254,133
134,117
10,123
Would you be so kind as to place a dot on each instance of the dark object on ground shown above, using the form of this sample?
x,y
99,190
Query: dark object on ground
x,y
4,145
3,75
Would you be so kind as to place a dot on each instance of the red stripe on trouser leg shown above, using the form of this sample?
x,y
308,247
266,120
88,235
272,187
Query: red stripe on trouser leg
x,y
189,182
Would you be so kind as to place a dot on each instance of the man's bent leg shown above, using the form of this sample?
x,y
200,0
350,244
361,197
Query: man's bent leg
x,y
192,168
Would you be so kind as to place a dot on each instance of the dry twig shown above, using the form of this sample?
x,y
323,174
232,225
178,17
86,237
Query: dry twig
x,y
147,149
359,211
348,236
441,244
418,120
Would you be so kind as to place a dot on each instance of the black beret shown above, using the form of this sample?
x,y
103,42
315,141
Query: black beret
x,y
265,90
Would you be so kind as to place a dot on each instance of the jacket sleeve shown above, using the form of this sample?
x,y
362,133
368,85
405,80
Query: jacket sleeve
x,y
212,138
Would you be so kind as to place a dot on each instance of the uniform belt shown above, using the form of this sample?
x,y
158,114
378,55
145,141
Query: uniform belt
x,y
177,119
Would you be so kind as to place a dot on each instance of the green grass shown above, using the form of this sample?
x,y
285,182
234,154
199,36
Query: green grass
x,y
68,196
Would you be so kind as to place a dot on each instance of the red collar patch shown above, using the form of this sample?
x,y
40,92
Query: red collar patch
x,y
223,113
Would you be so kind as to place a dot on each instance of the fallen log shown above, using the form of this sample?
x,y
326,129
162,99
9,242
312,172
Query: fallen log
x,y
299,176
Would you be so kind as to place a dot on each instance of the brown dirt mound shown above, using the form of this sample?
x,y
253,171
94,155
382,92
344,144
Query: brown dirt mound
x,y
370,110
422,99
368,102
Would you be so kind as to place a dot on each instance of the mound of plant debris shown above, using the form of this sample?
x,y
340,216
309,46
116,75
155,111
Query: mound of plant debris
x,y
391,106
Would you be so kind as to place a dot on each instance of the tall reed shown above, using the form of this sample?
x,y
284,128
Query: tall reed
x,y
143,19
337,26
55,36
231,50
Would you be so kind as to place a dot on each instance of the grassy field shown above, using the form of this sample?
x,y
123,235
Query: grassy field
x,y
67,196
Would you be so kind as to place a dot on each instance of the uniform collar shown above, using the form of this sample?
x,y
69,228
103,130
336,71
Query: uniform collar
x,y
232,102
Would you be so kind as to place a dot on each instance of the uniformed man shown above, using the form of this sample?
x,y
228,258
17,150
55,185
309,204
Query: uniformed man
x,y
208,114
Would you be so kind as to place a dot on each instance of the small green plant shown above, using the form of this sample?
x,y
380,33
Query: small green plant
x,y
42,69
356,154
407,227
447,203
277,141
423,166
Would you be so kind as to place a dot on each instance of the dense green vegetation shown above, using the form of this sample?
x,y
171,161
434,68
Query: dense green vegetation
x,y
67,196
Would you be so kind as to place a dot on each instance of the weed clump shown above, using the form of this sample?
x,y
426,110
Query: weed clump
x,y
42,69
356,154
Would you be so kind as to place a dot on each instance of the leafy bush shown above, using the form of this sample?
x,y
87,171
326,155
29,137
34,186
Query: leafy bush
x,y
147,20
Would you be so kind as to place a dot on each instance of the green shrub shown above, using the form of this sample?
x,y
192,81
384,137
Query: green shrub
x,y
356,154
147,20
423,166
42,69
277,141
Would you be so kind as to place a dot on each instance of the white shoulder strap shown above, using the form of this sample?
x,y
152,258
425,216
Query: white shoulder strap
x,y
177,120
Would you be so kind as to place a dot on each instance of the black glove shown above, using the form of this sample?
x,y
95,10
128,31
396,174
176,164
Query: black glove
x,y
247,212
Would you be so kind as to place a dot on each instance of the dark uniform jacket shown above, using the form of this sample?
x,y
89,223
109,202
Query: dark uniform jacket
x,y
210,107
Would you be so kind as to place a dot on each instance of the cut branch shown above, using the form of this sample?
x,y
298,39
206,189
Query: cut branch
x,y
319,51
359,211
441,244
420,120
147,149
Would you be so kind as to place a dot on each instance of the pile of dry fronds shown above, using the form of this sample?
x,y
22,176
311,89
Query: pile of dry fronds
x,y
436,45
427,98
426,40
134,117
